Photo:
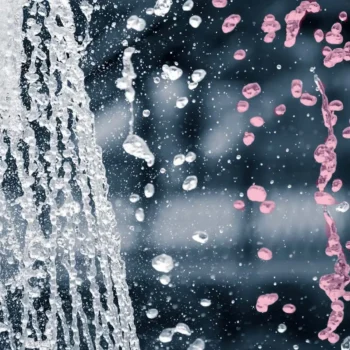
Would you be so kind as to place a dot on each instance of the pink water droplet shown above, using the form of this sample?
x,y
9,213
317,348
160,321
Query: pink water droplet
x,y
242,106
251,90
336,105
267,207
318,35
266,300
239,205
230,23
337,305
347,51
280,109
346,133
343,16
248,138
333,57
265,254
336,28
289,308
323,335
293,20
326,50
334,38
308,100
297,88
269,38
333,338
324,198
256,193
219,3
337,185
270,26
239,55
257,121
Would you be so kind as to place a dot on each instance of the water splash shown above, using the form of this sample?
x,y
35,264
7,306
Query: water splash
x,y
59,245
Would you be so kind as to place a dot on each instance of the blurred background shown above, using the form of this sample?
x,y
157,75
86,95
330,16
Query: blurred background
x,y
226,269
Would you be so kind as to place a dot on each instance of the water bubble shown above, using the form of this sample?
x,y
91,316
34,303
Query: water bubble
x,y
343,207
140,215
200,237
190,183
149,190
195,21
282,328
179,159
136,23
183,329
134,198
167,335
152,313
164,280
205,302
138,148
146,113
163,263
198,75
190,157
188,5
181,102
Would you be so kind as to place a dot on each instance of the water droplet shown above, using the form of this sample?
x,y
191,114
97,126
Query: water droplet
x,y
198,75
282,328
181,102
183,329
188,5
149,190
163,263
195,21
172,72
190,183
190,157
198,344
345,345
134,198
138,148
156,80
205,302
342,207
152,313
162,7
146,113
167,335
179,159
136,23
164,279
200,237
140,215
278,66
192,85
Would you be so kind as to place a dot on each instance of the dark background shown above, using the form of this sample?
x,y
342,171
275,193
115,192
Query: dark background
x,y
226,269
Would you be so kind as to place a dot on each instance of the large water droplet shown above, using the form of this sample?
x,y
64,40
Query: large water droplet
x,y
179,159
200,237
134,198
205,302
181,102
188,5
163,263
136,23
281,328
190,183
149,190
140,215
190,157
183,329
342,207
152,313
195,21
138,148
345,345
198,75
167,335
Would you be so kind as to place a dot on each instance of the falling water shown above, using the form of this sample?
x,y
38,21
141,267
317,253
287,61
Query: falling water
x,y
62,279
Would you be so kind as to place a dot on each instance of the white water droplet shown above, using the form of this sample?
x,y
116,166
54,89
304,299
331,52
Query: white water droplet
x,y
200,237
146,113
179,159
198,344
195,21
152,313
140,214
136,23
134,198
164,280
183,329
192,85
188,5
205,302
190,157
138,148
281,328
198,75
172,72
342,207
150,11
162,7
149,190
345,345
167,335
181,102
163,263
190,183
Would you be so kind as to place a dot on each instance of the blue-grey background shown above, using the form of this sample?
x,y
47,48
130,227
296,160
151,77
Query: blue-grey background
x,y
226,269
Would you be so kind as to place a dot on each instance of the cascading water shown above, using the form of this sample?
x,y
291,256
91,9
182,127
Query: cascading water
x,y
62,278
